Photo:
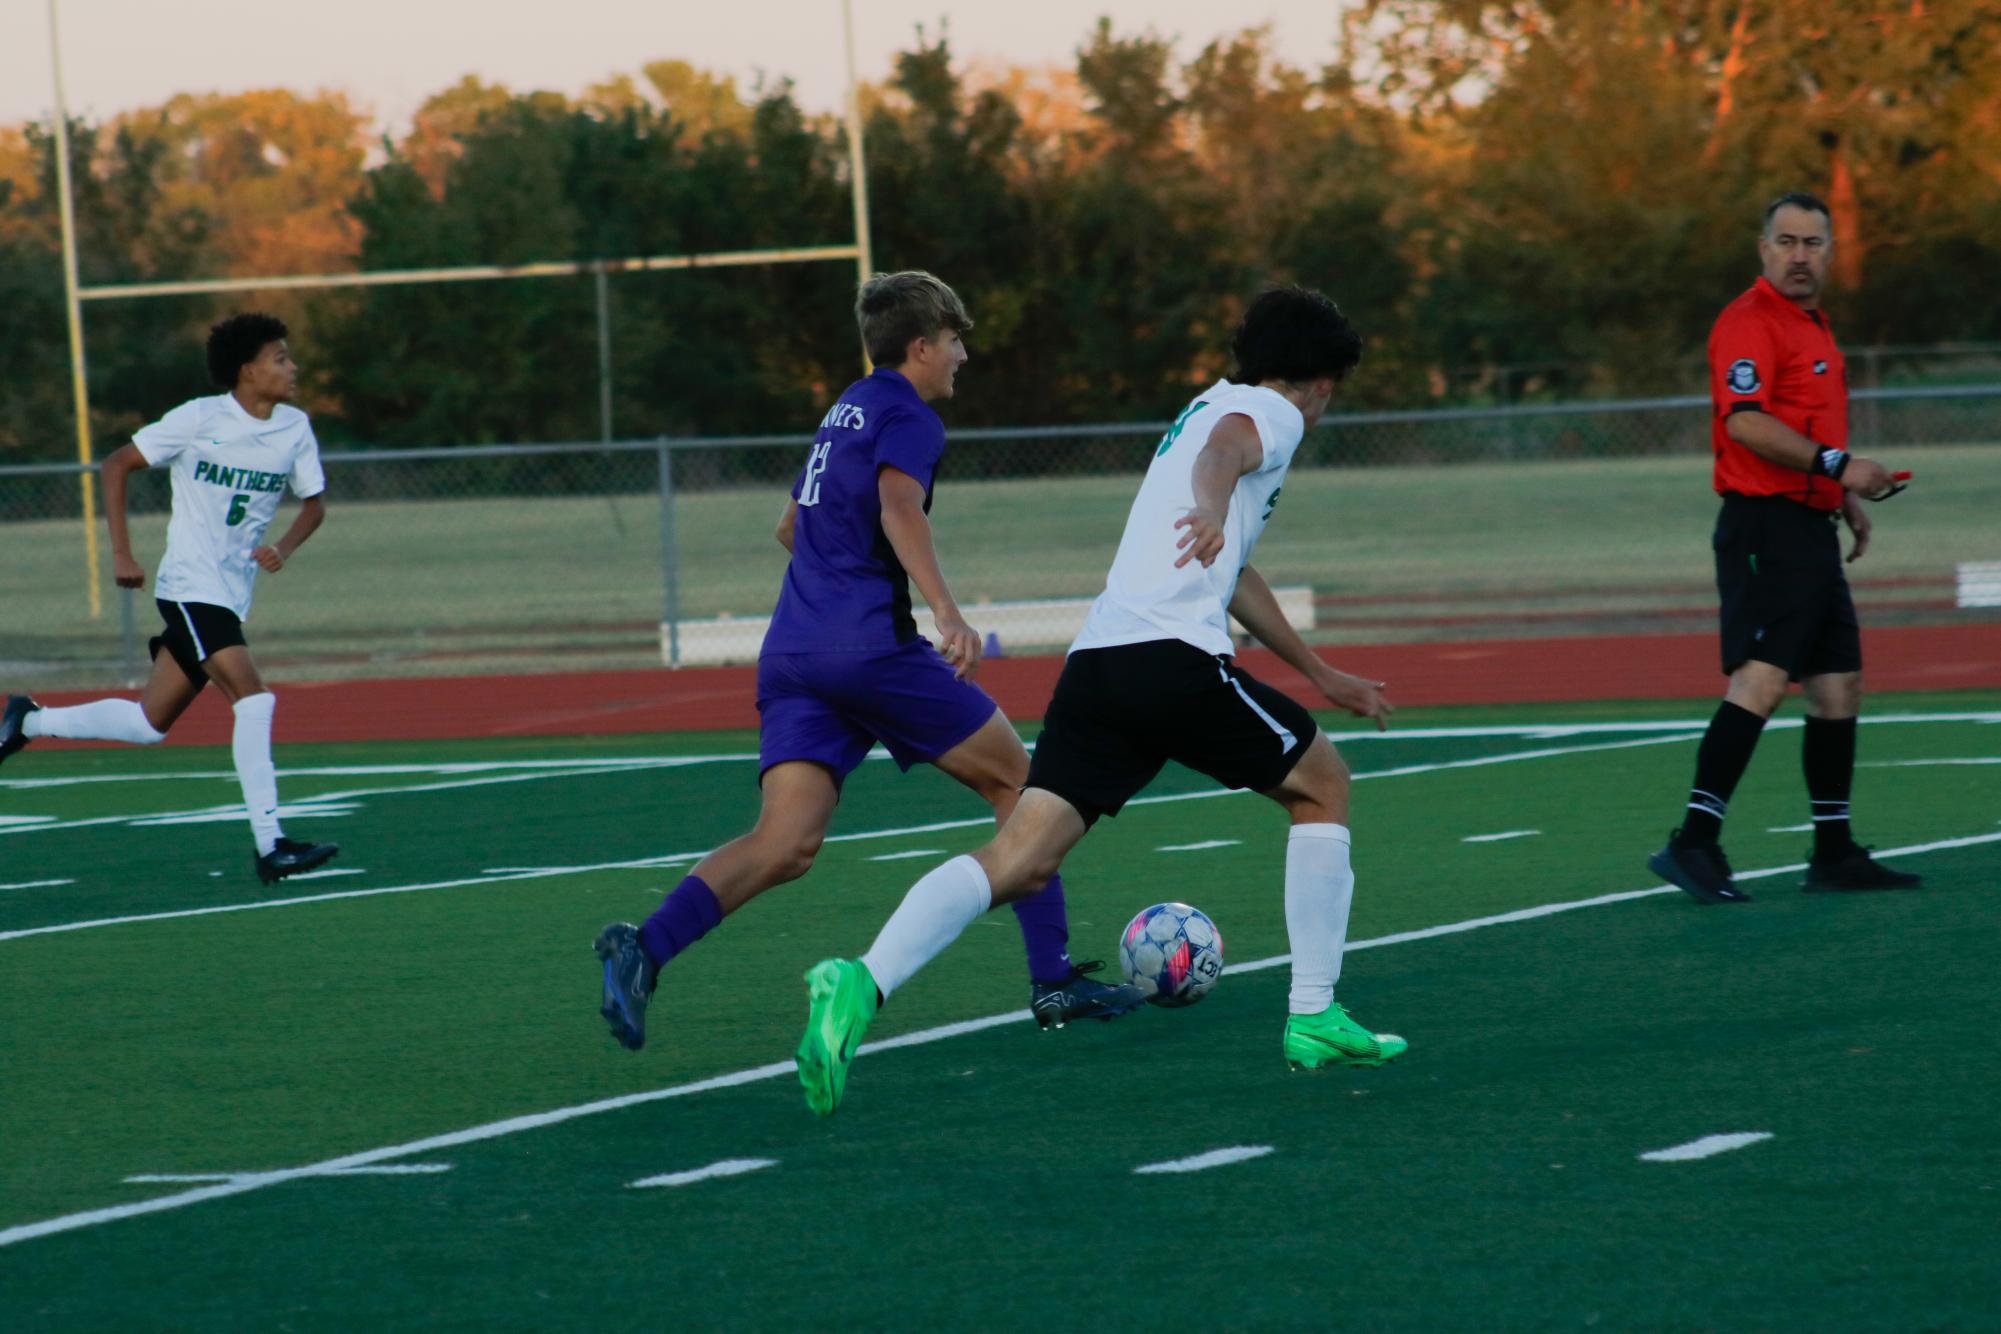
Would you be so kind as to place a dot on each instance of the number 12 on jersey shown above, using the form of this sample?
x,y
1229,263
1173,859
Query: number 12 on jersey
x,y
816,463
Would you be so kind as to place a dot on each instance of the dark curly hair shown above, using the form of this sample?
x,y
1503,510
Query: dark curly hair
x,y
1294,334
235,342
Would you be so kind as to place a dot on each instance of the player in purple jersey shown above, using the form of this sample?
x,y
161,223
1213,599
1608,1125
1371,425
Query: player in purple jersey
x,y
1151,678
843,668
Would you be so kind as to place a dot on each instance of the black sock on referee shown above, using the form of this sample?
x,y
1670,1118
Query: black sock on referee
x,y
1724,755
1828,756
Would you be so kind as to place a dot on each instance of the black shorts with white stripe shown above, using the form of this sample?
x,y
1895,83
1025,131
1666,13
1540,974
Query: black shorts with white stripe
x,y
1121,713
194,631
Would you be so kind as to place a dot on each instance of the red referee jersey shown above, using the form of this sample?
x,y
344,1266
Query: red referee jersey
x,y
1768,355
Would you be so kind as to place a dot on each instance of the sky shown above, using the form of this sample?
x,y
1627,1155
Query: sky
x,y
389,55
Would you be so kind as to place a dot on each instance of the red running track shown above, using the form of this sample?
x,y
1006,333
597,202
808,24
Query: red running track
x,y
1486,671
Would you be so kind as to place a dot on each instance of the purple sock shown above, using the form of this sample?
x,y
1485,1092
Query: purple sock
x,y
682,918
1045,930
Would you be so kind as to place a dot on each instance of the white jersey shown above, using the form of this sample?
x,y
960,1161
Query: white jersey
x,y
229,469
1146,597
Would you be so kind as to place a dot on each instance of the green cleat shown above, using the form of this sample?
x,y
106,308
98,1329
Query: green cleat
x,y
840,1001
1332,1038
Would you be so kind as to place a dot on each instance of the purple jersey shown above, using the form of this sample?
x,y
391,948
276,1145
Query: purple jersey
x,y
845,591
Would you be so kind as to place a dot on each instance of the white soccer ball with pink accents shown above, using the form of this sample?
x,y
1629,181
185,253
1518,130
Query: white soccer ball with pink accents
x,y
1172,952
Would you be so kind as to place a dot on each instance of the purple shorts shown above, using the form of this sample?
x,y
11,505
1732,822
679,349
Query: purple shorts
x,y
830,708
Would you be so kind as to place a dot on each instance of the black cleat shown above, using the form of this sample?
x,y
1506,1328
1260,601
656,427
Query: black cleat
x,y
12,738
1852,870
291,857
629,977
1698,869
1077,996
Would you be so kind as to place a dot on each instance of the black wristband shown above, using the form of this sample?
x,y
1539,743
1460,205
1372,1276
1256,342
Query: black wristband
x,y
1830,463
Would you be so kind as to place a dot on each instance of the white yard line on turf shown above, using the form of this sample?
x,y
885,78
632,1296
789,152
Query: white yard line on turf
x,y
756,1074
385,1170
1496,838
670,859
905,856
1706,1147
1214,1158
37,884
305,810
235,809
1203,846
439,767
1919,764
1537,731
728,1167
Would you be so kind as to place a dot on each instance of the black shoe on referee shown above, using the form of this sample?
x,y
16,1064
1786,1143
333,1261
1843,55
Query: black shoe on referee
x,y
1698,869
1853,869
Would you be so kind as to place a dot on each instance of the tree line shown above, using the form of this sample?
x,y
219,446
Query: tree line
x,y
1513,198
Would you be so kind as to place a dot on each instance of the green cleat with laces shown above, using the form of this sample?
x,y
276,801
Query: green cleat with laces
x,y
1313,1041
841,1000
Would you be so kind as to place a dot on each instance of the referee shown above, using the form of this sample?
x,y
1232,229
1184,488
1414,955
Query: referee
x,y
1780,435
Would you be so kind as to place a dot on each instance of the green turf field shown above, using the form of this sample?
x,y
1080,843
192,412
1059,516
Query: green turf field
x,y
570,582
408,1112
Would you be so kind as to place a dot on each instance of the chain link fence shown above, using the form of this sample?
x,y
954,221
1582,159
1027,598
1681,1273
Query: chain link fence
x,y
1393,526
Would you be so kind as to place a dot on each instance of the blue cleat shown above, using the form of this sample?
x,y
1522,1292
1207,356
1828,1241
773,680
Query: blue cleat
x,y
1079,996
628,983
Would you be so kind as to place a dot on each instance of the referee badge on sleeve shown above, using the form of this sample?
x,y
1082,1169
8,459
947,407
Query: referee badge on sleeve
x,y
1743,376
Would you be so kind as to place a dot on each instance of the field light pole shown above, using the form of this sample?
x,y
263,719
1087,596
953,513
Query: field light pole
x,y
857,163
73,308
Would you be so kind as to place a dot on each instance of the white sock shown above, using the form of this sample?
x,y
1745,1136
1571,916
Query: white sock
x,y
99,720
250,746
931,916
1319,887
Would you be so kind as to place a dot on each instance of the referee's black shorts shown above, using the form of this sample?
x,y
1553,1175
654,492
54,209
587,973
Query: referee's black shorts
x,y
1785,598
1121,713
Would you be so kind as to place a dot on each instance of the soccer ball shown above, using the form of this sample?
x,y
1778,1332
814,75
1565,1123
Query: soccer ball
x,y
1173,953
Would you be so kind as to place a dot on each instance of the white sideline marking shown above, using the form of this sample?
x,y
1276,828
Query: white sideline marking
x,y
37,884
914,852
385,1170
1202,846
1536,731
1791,828
1706,1147
388,770
580,769
324,875
308,810
1214,1158
495,1129
1496,838
24,821
728,1167
676,858
1917,764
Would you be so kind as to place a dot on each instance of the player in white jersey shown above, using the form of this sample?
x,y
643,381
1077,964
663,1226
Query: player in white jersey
x,y
1150,679
231,457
